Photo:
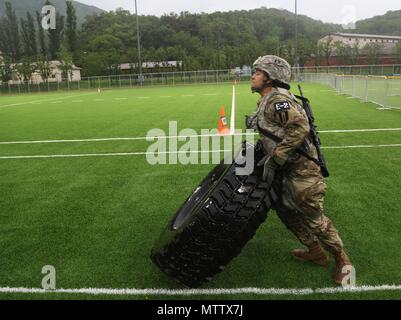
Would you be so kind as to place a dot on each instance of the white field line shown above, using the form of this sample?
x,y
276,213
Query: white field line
x,y
118,154
168,137
195,292
364,146
45,100
122,154
232,122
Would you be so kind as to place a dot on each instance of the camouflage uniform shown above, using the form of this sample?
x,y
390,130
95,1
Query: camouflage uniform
x,y
299,182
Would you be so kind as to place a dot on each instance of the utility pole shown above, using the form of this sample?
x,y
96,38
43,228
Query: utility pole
x,y
139,45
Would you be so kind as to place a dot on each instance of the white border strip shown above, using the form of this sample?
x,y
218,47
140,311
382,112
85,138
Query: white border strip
x,y
194,292
364,146
118,154
45,100
85,155
174,137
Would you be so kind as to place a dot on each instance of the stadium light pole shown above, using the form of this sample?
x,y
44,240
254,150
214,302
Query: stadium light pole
x,y
139,44
296,40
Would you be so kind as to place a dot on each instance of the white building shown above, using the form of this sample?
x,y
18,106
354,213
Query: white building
x,y
152,65
56,74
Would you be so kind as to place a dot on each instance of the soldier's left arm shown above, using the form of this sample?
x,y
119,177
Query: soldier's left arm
x,y
295,125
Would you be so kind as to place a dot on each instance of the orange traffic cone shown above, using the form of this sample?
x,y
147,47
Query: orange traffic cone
x,y
223,128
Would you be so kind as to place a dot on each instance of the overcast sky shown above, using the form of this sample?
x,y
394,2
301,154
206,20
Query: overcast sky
x,y
337,11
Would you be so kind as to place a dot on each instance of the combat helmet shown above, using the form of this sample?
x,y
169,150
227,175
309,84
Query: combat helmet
x,y
277,69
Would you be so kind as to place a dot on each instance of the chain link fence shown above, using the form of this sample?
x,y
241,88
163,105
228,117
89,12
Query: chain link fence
x,y
126,81
323,74
382,90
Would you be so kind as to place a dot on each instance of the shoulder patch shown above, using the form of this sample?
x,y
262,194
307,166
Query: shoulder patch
x,y
281,106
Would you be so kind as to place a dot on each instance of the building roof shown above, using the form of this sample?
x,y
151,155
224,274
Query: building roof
x,y
163,64
359,35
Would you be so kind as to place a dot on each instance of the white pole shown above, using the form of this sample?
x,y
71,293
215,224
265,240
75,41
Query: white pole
x,y
232,123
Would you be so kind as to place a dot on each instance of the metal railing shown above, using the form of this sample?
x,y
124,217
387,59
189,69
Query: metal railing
x,y
381,70
182,78
384,91
125,81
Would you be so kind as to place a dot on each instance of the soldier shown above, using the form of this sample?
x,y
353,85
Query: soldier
x,y
298,181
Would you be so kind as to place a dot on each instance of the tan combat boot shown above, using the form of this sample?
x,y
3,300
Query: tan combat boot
x,y
314,254
342,260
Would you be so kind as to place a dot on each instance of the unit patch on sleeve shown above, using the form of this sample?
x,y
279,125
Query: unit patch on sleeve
x,y
282,106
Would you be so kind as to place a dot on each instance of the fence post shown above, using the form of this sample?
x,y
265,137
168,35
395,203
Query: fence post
x,y
366,89
353,86
386,92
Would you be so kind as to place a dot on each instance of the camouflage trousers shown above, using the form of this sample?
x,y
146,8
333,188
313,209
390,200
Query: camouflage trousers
x,y
301,189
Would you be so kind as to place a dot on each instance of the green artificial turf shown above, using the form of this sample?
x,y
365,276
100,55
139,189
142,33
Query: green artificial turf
x,y
95,219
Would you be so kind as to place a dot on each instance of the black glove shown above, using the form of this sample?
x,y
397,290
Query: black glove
x,y
269,169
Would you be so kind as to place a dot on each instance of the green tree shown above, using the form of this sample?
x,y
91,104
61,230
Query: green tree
x,y
25,69
66,65
341,52
305,50
28,33
327,46
41,35
9,34
354,54
398,52
71,28
373,53
6,70
44,68
94,64
55,36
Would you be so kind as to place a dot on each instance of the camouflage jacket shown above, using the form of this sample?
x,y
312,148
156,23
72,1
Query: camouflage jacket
x,y
280,113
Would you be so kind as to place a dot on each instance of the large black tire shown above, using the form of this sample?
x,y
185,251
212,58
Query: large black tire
x,y
214,224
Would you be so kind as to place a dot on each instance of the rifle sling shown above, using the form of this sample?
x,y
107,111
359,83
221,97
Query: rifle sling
x,y
278,140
